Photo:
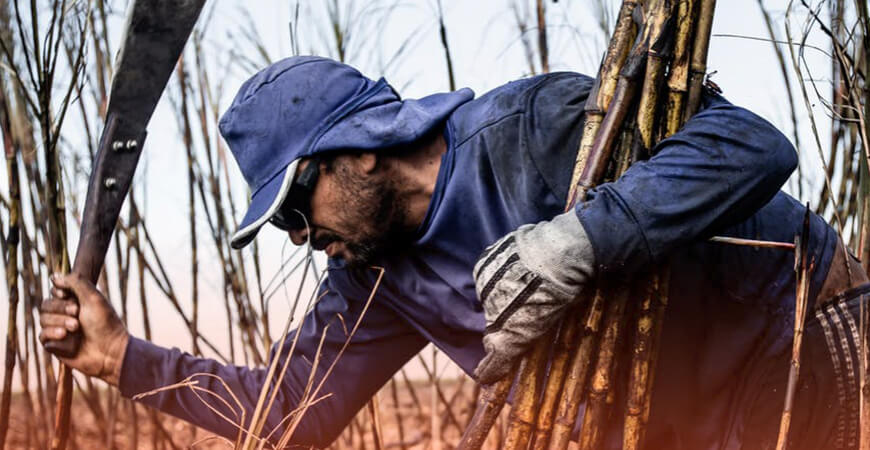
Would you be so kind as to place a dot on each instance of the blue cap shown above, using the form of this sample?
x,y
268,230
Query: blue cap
x,y
306,105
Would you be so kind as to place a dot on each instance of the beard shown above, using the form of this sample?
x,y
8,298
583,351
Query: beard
x,y
377,212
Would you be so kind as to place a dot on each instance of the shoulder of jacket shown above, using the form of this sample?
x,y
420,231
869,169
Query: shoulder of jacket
x,y
503,102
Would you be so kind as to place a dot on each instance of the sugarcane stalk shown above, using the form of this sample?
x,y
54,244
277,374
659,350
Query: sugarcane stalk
x,y
678,80
657,58
11,260
558,368
601,384
543,49
596,106
524,408
645,349
489,404
625,154
60,264
397,410
601,393
863,12
752,242
602,146
606,114
578,374
599,151
703,26
595,109
605,87
648,332
802,269
650,318
377,434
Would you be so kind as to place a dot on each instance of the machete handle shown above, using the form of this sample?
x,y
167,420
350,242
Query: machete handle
x,y
157,31
114,167
69,346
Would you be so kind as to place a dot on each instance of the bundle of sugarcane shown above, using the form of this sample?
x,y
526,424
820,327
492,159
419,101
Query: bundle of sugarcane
x,y
652,41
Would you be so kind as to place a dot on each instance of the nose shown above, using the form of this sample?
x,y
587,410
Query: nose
x,y
298,237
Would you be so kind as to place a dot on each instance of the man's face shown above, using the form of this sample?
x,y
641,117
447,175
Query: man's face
x,y
356,212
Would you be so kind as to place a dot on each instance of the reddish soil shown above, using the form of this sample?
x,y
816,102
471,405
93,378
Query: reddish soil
x,y
91,431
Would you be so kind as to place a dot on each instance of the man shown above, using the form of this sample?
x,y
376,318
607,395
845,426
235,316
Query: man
x,y
422,187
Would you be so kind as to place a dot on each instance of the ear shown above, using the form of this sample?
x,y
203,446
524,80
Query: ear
x,y
368,162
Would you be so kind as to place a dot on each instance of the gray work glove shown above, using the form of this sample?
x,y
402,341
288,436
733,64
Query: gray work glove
x,y
525,281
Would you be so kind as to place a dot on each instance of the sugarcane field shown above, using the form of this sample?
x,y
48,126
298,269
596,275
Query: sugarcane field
x,y
435,224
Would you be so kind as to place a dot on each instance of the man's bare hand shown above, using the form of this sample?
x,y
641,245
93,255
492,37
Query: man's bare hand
x,y
104,338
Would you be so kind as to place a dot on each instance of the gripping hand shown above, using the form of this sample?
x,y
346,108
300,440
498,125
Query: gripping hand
x,y
525,281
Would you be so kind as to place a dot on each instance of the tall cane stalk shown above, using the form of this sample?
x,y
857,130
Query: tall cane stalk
x,y
11,260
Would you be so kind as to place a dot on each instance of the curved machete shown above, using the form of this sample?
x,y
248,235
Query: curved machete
x,y
157,31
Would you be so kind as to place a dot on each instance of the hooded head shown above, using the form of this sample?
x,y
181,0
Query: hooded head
x,y
306,105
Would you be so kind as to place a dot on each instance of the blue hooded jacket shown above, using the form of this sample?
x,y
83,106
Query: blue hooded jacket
x,y
509,159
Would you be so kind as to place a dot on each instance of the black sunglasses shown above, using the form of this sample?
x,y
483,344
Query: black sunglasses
x,y
296,208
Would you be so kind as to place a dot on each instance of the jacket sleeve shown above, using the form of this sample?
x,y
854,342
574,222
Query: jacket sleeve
x,y
381,345
718,170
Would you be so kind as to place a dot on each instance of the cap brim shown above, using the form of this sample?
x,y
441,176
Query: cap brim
x,y
264,204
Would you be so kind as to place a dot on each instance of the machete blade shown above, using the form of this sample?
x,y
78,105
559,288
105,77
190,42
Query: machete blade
x,y
156,32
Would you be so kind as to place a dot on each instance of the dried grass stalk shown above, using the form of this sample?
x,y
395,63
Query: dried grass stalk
x,y
803,269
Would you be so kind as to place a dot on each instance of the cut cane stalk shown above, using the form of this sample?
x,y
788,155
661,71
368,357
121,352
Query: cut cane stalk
x,y
598,156
752,242
606,111
489,404
605,88
524,408
602,393
556,377
596,106
597,160
658,54
649,320
578,373
644,352
678,80
601,385
620,106
703,26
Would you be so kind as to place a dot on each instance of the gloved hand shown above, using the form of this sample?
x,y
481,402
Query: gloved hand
x,y
525,281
